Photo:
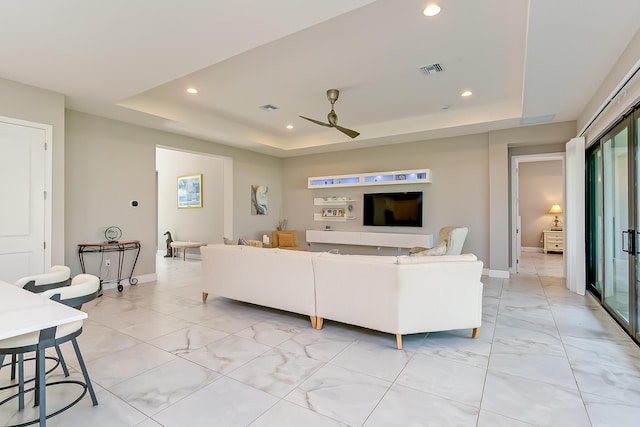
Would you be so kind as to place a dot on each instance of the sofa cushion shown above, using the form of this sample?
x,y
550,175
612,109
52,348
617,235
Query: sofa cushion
x,y
286,240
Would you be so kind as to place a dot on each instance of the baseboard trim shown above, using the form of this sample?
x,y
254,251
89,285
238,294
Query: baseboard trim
x,y
162,253
531,249
502,274
125,282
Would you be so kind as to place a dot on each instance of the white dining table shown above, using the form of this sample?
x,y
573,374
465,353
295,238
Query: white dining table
x,y
22,312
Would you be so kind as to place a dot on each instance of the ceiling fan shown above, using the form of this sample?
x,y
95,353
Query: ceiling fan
x,y
332,117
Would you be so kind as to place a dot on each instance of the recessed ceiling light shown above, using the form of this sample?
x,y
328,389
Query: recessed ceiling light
x,y
192,90
466,93
431,10
289,126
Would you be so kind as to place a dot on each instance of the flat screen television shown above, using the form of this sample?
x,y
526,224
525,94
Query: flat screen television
x,y
393,209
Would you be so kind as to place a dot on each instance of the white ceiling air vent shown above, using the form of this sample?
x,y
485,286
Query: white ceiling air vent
x,y
268,107
431,69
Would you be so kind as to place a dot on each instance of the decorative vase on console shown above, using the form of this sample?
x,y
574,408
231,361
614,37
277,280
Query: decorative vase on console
x,y
282,225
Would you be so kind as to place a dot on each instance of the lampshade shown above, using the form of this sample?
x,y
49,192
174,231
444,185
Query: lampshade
x,y
555,209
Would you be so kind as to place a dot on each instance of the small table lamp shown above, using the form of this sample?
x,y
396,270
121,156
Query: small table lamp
x,y
555,209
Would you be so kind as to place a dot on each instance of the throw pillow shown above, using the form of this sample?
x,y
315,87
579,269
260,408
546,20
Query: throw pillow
x,y
228,241
414,250
286,240
438,250
254,243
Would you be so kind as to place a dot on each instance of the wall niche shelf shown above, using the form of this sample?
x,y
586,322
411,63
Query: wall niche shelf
x,y
333,212
372,178
332,201
320,217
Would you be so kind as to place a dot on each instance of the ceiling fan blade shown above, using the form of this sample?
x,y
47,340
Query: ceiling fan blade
x,y
316,121
348,132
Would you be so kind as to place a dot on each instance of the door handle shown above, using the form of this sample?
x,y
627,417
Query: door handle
x,y
631,242
623,245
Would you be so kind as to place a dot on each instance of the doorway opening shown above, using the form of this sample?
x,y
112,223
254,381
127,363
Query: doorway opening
x,y
537,184
207,223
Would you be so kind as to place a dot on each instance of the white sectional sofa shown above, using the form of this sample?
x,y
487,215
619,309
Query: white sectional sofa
x,y
276,278
399,295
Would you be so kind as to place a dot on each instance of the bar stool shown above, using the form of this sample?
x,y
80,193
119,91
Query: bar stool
x,y
57,276
83,288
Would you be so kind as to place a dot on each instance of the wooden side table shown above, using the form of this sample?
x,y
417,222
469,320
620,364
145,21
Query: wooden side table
x,y
553,241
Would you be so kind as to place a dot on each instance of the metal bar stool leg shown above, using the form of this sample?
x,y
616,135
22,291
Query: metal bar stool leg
x,y
13,366
87,380
61,359
21,381
41,387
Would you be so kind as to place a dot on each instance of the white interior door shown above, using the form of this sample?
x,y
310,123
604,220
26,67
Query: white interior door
x,y
22,191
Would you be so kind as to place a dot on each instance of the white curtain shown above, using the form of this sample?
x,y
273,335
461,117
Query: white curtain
x,y
574,216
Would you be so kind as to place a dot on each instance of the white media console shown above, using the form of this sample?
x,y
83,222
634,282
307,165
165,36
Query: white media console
x,y
363,238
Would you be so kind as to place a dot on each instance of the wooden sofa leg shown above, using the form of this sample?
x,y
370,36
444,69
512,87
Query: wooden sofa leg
x,y
475,333
314,320
399,341
319,321
205,295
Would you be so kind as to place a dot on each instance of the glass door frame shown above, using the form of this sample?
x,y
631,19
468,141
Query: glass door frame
x,y
594,216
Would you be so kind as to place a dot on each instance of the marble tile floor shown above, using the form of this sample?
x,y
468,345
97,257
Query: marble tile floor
x,y
158,356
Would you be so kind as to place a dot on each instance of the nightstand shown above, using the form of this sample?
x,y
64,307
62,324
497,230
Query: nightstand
x,y
553,241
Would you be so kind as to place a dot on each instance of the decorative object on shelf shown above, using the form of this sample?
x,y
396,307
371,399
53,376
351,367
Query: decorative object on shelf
x,y
259,201
113,234
333,212
415,176
282,225
190,191
169,253
556,223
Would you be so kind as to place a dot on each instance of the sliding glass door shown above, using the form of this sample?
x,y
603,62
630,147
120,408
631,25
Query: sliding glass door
x,y
634,305
616,225
594,200
613,225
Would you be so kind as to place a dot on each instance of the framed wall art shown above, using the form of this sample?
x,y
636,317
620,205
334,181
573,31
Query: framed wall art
x,y
190,191
259,200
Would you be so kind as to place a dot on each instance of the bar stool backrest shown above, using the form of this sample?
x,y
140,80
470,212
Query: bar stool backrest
x,y
57,277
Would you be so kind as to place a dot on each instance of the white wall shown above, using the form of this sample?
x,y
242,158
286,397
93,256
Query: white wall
x,y
457,196
470,184
41,106
109,163
204,224
627,61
